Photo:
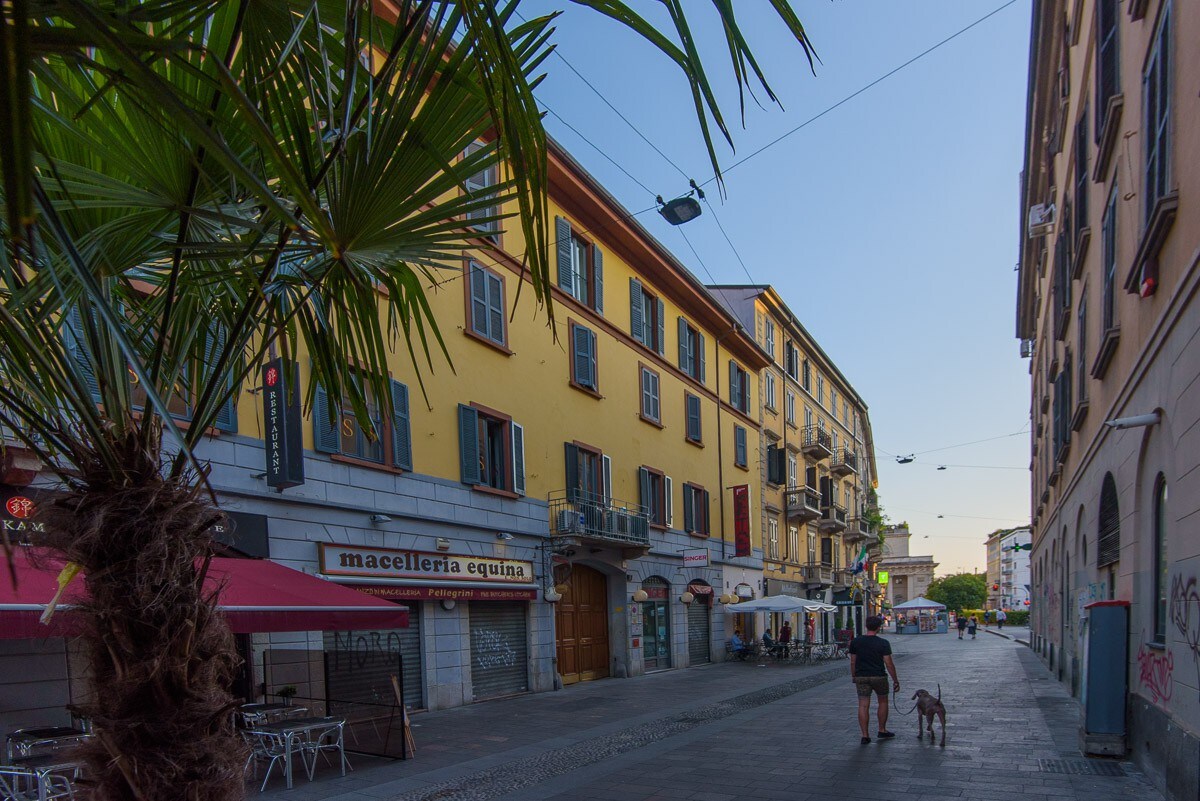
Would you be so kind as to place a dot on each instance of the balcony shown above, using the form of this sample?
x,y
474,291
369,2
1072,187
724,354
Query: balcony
x,y
859,529
833,519
817,574
842,577
845,463
803,503
816,443
594,519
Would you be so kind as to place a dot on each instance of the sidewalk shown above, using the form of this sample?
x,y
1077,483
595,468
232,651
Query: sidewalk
x,y
1016,633
734,730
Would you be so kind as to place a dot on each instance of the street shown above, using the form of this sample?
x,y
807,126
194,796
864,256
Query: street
x,y
738,730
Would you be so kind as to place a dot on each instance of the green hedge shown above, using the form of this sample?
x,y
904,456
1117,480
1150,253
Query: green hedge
x,y
1016,617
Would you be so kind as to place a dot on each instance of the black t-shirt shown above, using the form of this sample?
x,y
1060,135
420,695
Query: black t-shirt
x,y
870,652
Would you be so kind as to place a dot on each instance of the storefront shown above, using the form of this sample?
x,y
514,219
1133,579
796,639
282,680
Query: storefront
x,y
656,623
486,599
699,619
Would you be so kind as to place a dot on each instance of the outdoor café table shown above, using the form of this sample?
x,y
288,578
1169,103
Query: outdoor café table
x,y
292,730
257,714
22,741
45,764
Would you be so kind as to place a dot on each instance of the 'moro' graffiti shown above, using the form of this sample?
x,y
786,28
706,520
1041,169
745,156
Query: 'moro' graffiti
x,y
1155,669
1185,614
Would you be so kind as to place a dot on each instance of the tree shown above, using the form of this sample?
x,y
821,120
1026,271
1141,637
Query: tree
x,y
190,187
958,592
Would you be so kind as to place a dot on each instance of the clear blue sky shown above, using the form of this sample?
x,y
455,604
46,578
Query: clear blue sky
x,y
889,225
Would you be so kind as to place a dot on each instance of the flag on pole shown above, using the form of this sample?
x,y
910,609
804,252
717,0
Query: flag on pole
x,y
860,564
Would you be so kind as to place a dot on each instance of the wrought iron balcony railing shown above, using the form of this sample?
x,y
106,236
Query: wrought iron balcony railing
x,y
588,515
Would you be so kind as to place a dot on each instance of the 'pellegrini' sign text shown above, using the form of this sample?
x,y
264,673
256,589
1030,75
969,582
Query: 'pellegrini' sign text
x,y
349,560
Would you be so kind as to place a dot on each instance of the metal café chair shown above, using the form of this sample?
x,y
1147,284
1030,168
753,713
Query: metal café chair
x,y
265,747
25,784
322,740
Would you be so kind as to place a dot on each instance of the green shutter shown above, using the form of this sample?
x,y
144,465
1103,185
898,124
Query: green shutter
x,y
495,308
734,391
739,446
668,501
705,507
662,343
694,430
608,488
401,431
562,234
645,490
74,338
684,362
598,270
571,463
479,300
226,419
636,322
689,516
325,429
584,357
468,444
518,448
700,354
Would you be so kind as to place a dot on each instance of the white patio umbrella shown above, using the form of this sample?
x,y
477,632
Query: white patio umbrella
x,y
779,603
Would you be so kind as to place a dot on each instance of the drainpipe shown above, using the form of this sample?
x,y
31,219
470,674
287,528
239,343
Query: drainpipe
x,y
720,459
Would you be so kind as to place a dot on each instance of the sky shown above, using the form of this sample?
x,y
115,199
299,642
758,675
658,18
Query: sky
x,y
889,225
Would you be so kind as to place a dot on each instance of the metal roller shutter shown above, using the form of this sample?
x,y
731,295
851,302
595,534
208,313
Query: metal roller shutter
x,y
359,664
499,648
699,633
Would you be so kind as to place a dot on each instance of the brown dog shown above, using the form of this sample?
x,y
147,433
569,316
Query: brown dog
x,y
927,708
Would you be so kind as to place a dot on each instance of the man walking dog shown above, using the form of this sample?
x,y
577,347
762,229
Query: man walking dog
x,y
870,664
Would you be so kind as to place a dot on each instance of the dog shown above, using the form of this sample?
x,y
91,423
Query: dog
x,y
927,708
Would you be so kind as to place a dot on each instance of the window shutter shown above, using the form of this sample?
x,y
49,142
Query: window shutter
x,y
826,491
495,308
479,301
739,445
689,514
644,489
608,488
693,418
226,418
468,444
685,363
810,477
700,355
74,338
668,501
775,465
662,342
518,454
598,270
584,358
571,457
705,507
325,435
562,234
636,323
735,384
401,433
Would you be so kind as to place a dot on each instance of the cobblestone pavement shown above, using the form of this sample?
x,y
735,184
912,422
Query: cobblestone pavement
x,y
740,731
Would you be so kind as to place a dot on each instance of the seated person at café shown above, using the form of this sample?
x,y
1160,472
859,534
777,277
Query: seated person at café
x,y
773,648
738,646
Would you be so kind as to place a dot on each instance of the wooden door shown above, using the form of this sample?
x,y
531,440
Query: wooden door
x,y
582,622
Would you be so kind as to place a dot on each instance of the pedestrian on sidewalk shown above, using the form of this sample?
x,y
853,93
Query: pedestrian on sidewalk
x,y
1001,616
785,637
962,626
972,624
870,664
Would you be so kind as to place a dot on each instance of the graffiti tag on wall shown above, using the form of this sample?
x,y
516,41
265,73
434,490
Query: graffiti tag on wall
x,y
1185,615
1155,668
491,649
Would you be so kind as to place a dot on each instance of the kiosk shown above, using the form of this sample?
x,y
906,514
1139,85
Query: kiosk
x,y
920,616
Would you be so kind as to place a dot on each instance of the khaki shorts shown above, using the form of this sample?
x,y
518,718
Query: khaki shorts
x,y
868,684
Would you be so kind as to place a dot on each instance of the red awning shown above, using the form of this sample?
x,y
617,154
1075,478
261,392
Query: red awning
x,y
256,595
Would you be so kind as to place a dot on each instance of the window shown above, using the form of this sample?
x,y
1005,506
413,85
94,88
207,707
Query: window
x,y
821,390
845,411
691,351
491,449
692,412
650,406
646,316
739,388
739,446
791,407
793,544
808,416
812,548
389,443
772,538
792,361
793,471
835,444
807,378
1082,394
1108,548
1161,565
655,495
580,266
769,390
1108,76
483,219
833,401
588,473
695,509
769,337
485,308
1109,235
1081,171
583,358
1156,83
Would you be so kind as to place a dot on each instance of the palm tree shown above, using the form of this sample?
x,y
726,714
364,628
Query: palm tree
x,y
192,187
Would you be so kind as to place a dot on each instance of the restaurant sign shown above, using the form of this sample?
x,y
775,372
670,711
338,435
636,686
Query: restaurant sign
x,y
281,416
393,563
741,520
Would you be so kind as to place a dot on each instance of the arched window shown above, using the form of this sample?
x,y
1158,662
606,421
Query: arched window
x,y
1108,546
1160,559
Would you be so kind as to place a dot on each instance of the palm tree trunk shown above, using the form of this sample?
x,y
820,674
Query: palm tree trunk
x,y
161,657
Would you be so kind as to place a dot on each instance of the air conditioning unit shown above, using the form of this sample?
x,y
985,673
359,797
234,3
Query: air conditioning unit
x,y
1041,219
618,523
1026,348
569,522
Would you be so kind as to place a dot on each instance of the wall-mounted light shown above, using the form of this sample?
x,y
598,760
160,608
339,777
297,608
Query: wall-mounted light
x,y
503,535
443,544
552,595
1140,420
687,598
378,518
640,596
448,604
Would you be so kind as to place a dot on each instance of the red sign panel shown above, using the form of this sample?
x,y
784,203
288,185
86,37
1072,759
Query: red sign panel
x,y
447,593
19,507
655,592
741,520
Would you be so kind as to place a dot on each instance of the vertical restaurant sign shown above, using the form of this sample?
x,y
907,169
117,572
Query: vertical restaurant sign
x,y
281,415
741,520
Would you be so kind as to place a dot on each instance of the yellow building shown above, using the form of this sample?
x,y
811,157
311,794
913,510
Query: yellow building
x,y
816,459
